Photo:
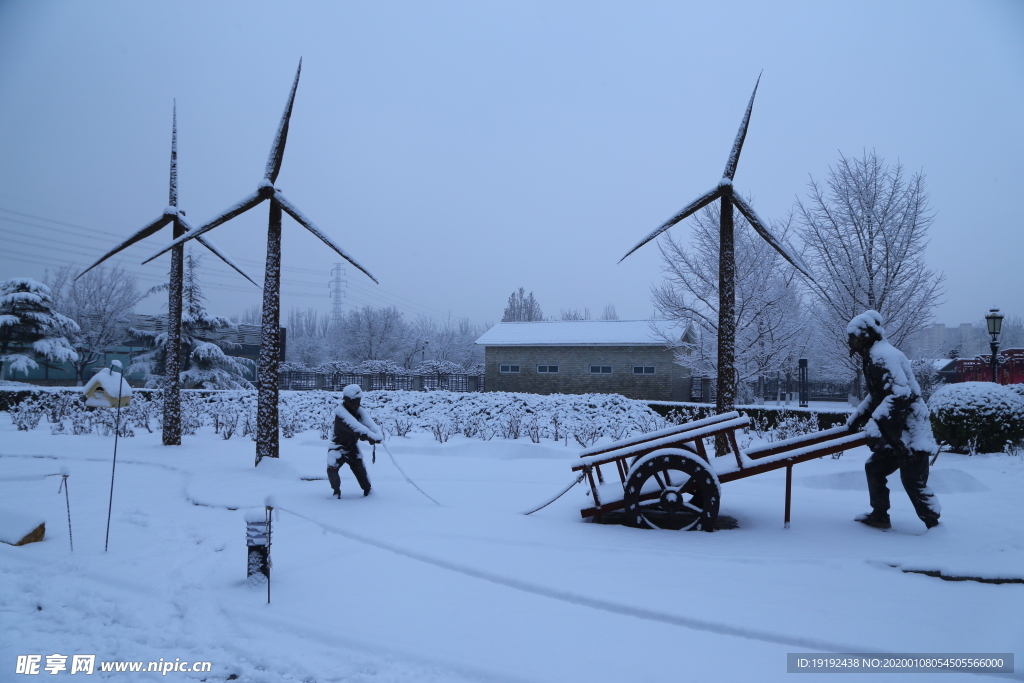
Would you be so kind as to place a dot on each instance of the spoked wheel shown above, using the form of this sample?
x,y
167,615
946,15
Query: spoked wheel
x,y
672,489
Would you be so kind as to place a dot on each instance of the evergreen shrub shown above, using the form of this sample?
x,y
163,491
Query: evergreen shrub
x,y
977,417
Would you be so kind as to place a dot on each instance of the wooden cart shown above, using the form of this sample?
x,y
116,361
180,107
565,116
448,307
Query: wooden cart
x,y
666,479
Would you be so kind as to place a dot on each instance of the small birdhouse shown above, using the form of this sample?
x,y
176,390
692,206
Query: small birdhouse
x,y
107,389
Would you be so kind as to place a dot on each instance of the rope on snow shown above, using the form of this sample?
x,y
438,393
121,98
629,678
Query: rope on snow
x,y
406,476
564,491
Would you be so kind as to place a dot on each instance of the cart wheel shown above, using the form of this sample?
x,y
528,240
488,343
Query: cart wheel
x,y
672,489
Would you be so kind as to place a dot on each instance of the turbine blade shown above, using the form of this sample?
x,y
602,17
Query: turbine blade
x,y
690,209
173,200
212,247
737,145
239,208
277,149
308,225
140,235
759,226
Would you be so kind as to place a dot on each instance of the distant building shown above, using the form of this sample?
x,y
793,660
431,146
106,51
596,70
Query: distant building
x,y
938,340
627,357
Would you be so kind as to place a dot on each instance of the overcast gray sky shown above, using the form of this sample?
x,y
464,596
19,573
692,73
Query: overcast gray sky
x,y
460,150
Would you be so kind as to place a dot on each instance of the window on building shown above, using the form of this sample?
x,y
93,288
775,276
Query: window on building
x,y
643,369
509,368
600,369
547,368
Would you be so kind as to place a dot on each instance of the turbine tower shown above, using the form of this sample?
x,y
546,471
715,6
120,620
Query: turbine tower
x,y
727,259
172,348
267,445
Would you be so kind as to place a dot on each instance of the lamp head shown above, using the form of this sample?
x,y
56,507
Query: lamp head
x,y
994,319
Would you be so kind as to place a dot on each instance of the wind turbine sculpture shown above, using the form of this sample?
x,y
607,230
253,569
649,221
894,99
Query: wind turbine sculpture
x,y
727,259
173,215
270,342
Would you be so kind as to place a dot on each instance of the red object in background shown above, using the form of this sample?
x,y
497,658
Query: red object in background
x,y
979,369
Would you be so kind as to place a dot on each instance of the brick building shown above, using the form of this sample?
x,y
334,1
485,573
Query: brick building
x,y
627,357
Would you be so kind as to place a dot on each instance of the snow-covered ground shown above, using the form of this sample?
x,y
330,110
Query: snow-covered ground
x,y
394,588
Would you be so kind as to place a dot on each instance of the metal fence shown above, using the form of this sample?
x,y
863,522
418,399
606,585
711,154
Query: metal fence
x,y
704,389
308,381
819,390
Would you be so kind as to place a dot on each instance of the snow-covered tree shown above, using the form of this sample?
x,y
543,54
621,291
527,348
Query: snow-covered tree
x,y
770,320
452,339
100,303
204,363
30,326
522,307
609,313
371,333
379,367
439,367
865,232
308,334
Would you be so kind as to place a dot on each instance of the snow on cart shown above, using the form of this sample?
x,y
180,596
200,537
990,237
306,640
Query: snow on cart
x,y
667,480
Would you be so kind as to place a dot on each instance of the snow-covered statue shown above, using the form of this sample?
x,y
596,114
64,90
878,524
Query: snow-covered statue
x,y
352,424
895,420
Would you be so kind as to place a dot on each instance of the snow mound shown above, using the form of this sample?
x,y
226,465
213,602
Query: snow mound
x,y
15,526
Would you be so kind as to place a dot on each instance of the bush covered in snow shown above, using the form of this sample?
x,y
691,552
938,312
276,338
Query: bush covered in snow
x,y
977,417
579,419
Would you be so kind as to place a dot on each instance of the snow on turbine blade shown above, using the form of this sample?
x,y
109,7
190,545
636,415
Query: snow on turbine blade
x,y
308,225
173,199
217,252
277,149
737,145
693,207
239,208
759,226
140,235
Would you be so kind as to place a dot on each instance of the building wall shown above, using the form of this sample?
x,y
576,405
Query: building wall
x,y
670,382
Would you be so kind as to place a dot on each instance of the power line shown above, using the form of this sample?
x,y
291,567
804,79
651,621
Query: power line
x,y
363,293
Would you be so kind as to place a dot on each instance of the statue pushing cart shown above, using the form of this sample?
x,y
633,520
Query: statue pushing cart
x,y
668,480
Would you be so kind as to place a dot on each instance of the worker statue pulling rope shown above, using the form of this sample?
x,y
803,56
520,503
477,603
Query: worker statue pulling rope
x,y
352,424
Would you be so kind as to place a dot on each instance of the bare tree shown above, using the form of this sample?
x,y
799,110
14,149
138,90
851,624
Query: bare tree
x,y
522,308
250,316
101,303
770,329
454,340
865,234
308,332
609,313
370,333
575,314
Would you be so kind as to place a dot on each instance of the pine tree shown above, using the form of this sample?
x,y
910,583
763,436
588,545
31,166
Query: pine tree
x,y
28,322
204,363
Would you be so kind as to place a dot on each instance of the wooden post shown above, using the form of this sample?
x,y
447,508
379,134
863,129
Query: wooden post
x,y
789,492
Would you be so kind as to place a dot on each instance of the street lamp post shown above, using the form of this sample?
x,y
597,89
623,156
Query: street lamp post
x,y
995,325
